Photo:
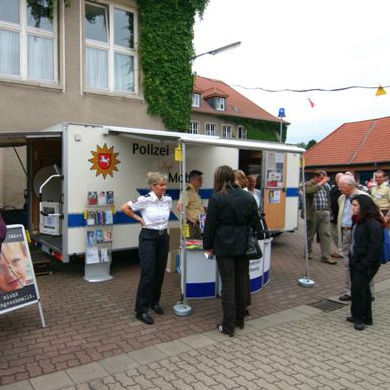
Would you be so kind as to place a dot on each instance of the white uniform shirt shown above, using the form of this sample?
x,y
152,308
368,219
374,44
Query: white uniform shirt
x,y
155,212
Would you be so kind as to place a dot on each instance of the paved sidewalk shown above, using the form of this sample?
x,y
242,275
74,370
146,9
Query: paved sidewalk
x,y
91,322
300,348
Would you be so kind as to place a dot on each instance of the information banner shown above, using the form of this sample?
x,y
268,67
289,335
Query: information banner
x,y
18,286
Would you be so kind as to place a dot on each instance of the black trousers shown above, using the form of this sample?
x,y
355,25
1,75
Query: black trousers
x,y
153,252
234,276
361,310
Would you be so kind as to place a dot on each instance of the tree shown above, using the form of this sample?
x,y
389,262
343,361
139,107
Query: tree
x,y
308,145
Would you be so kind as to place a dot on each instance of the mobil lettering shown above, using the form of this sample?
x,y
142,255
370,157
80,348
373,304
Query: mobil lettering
x,y
150,149
176,178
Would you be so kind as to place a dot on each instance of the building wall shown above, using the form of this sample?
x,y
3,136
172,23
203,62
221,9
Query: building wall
x,y
219,123
30,106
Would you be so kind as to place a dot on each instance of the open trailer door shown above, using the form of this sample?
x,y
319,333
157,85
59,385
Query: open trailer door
x,y
43,155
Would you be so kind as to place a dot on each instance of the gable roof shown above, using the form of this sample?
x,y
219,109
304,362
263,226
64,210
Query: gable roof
x,y
353,143
236,104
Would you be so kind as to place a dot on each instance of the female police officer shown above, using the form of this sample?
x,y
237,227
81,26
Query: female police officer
x,y
155,208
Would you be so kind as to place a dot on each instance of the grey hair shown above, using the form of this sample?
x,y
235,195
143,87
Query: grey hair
x,y
349,180
154,178
339,176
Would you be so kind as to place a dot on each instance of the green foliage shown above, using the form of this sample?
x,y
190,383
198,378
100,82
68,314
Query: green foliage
x,y
43,8
308,145
166,51
257,129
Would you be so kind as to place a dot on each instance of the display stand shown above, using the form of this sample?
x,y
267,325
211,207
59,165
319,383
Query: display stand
x,y
201,276
98,237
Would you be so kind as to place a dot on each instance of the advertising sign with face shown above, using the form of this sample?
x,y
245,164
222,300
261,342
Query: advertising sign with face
x,y
18,286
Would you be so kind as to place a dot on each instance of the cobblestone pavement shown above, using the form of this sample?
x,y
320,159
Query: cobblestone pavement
x,y
88,323
301,348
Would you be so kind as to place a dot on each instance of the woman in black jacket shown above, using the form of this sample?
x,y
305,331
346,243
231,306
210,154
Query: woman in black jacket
x,y
231,213
364,258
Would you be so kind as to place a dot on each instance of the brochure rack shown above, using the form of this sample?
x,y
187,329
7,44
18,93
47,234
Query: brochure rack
x,y
98,236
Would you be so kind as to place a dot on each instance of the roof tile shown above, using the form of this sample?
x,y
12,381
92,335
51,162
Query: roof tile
x,y
236,104
353,143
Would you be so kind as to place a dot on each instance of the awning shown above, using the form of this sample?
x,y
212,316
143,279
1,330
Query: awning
x,y
173,137
22,138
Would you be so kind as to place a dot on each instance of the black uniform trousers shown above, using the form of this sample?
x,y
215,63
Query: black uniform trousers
x,y
153,253
234,276
361,310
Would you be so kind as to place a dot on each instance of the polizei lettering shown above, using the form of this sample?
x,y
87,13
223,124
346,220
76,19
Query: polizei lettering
x,y
150,149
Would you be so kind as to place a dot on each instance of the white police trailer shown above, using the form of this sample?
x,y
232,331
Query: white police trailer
x,y
69,160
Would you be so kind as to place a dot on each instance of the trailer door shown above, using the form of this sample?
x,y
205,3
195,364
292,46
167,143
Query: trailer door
x,y
274,189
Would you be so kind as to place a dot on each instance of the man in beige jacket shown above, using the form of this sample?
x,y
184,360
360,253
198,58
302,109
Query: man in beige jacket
x,y
347,185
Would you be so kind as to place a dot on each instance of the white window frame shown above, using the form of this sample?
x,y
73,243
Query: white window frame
x,y
220,103
24,30
194,127
210,128
226,131
240,131
111,48
196,99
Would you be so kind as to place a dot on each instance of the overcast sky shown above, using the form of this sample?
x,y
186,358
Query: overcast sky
x,y
301,44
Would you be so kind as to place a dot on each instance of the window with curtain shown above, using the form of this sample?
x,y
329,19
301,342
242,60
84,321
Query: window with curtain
x,y
210,128
227,131
110,46
194,127
28,40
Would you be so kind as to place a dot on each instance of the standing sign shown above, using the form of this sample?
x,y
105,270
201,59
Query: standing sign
x,y
18,286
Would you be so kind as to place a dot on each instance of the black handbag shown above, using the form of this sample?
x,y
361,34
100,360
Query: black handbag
x,y
253,250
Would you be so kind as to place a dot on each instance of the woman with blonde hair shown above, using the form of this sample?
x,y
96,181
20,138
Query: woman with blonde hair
x,y
231,215
240,179
155,208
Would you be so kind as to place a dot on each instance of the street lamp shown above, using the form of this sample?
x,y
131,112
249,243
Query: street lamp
x,y
218,50
281,115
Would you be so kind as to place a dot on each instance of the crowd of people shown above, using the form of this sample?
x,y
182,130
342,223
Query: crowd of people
x,y
352,216
232,214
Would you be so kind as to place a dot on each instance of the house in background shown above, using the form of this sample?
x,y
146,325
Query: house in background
x,y
218,109
359,147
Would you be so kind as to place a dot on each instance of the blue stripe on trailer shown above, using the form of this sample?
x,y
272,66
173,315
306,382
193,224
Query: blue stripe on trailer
x,y
201,290
76,220
292,192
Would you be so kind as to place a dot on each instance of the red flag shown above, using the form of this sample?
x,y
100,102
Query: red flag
x,y
311,103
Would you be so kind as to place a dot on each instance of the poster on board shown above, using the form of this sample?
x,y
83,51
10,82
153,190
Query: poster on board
x,y
18,286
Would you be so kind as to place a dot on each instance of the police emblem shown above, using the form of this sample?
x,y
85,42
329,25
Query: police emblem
x,y
104,161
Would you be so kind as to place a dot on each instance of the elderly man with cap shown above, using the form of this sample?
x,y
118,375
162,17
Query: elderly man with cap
x,y
194,204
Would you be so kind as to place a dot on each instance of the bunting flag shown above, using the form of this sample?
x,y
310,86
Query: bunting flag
x,y
380,91
311,103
